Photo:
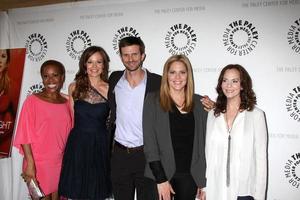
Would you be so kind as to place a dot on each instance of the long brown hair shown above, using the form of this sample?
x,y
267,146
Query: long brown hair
x,y
166,101
248,98
83,84
4,79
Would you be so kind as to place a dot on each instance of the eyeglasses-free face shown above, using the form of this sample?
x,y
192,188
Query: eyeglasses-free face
x,y
177,76
231,84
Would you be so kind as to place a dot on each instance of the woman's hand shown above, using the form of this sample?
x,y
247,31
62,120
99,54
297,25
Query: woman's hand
x,y
165,190
207,103
200,194
29,172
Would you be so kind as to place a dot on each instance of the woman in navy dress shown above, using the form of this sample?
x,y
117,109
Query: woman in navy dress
x,y
85,170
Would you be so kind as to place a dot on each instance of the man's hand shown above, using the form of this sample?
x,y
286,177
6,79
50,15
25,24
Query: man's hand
x,y
207,103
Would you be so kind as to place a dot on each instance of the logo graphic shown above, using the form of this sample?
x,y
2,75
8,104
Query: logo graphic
x,y
180,39
35,88
293,36
36,47
240,37
123,32
77,42
292,103
292,170
5,126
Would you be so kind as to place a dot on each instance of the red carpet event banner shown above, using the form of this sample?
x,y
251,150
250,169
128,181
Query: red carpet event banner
x,y
11,74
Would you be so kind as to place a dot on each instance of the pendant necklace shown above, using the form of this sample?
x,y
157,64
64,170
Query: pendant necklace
x,y
229,129
179,106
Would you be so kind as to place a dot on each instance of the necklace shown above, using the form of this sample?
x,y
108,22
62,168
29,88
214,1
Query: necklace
x,y
229,129
230,126
178,105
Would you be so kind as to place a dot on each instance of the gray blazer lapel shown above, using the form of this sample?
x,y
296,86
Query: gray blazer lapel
x,y
163,123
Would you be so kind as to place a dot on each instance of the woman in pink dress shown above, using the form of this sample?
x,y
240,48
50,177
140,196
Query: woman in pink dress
x,y
44,124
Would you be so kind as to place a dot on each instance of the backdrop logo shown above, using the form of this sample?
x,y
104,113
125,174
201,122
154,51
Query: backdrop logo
x,y
240,37
293,36
292,103
36,47
292,170
77,42
180,39
123,32
35,89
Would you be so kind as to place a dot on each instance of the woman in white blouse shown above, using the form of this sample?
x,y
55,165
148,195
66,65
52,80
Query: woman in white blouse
x,y
236,140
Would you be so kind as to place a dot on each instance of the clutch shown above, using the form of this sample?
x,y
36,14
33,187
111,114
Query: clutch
x,y
34,190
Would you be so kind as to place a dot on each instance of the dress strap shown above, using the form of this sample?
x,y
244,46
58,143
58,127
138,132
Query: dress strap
x,y
95,90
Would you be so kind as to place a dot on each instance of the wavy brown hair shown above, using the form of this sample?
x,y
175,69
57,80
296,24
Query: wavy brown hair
x,y
166,101
82,82
248,98
4,78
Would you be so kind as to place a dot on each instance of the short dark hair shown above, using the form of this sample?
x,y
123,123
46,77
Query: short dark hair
x,y
248,98
56,63
131,40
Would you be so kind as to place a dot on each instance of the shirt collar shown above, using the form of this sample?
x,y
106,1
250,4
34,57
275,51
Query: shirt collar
x,y
144,81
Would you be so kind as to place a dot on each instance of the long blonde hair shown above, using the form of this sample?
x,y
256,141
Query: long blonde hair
x,y
165,97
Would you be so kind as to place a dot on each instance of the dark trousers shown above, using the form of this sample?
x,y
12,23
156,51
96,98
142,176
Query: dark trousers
x,y
184,187
245,198
127,174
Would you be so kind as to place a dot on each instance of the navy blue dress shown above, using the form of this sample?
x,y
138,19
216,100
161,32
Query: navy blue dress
x,y
85,170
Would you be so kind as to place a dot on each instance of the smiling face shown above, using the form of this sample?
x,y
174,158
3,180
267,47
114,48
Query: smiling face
x,y
95,65
231,84
3,60
53,79
132,57
177,76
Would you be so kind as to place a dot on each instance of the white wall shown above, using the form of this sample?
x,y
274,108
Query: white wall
x,y
273,62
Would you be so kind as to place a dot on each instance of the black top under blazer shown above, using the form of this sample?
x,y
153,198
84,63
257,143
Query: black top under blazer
x,y
158,142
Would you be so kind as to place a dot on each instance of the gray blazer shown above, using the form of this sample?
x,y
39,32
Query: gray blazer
x,y
158,142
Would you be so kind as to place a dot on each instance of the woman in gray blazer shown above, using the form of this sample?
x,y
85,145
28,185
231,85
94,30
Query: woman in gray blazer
x,y
174,125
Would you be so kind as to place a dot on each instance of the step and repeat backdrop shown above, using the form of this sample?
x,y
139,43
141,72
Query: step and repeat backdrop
x,y
261,35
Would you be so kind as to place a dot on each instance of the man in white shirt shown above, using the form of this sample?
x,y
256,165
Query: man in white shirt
x,y
127,91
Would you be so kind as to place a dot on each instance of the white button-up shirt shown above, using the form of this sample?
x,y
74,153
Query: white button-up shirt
x,y
129,112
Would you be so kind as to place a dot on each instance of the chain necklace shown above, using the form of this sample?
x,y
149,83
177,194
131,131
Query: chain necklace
x,y
229,129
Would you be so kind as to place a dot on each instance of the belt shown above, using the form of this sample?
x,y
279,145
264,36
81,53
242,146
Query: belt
x,y
128,149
